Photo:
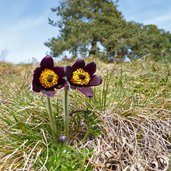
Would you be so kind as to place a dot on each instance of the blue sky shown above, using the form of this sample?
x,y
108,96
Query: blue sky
x,y
24,23
148,12
24,28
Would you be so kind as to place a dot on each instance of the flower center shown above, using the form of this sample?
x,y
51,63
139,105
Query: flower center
x,y
80,77
48,78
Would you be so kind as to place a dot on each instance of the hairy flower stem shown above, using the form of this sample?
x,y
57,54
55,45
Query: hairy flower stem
x,y
66,112
52,120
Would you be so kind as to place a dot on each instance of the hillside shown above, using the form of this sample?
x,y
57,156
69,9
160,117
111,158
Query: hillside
x,y
125,126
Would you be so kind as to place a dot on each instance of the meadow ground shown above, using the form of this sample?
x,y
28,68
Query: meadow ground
x,y
126,126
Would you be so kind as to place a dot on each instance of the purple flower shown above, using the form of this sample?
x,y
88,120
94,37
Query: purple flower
x,y
82,77
47,77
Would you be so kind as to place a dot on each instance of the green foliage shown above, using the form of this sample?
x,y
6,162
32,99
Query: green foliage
x,y
150,41
85,24
65,157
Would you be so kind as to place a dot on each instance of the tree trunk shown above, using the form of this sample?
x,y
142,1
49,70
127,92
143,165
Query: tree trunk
x,y
93,47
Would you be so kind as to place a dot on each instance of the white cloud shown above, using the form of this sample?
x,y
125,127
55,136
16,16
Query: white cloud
x,y
148,12
161,20
164,18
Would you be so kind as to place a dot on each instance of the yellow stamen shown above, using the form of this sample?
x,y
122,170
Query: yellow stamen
x,y
48,78
80,77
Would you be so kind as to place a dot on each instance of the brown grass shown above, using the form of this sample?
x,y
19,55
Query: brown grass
x,y
134,137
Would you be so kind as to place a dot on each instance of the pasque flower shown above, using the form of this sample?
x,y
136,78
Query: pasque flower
x,y
82,77
47,77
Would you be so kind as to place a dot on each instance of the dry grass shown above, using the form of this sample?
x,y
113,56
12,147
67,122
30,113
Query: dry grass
x,y
135,115
139,143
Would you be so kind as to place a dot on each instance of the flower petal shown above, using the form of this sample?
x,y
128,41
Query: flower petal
x,y
35,82
90,68
37,73
68,71
47,62
79,63
35,86
49,93
62,83
59,71
95,80
86,91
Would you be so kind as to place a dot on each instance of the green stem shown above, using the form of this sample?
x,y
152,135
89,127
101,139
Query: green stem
x,y
52,120
85,136
66,112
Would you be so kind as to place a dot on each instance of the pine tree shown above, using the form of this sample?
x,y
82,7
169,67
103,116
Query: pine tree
x,y
150,41
84,23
